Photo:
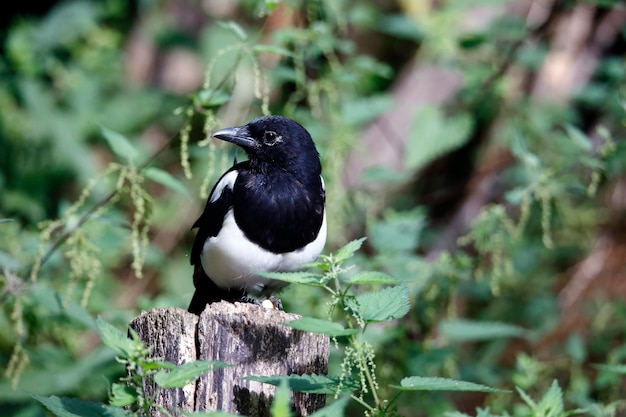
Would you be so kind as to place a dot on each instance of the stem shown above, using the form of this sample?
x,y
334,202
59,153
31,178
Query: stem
x,y
363,403
393,400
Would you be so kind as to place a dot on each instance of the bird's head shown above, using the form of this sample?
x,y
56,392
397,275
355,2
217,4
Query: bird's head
x,y
274,141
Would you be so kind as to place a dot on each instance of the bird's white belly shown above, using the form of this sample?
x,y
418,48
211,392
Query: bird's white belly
x,y
230,259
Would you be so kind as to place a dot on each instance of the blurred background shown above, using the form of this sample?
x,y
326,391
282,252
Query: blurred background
x,y
478,145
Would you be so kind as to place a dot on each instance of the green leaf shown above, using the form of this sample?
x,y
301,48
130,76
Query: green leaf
x,y
120,145
299,277
346,252
182,375
526,398
281,406
72,407
371,278
432,136
115,338
166,179
9,262
336,409
6,221
467,330
58,376
552,401
386,304
313,325
365,109
420,383
618,369
578,138
401,26
274,49
386,175
122,395
311,383
212,98
234,28
399,231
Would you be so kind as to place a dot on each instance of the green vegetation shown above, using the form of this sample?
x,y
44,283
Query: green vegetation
x,y
479,147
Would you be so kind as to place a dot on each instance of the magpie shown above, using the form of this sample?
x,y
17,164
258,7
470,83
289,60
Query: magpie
x,y
265,214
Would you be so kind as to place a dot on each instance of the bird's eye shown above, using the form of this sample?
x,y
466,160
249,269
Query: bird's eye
x,y
271,138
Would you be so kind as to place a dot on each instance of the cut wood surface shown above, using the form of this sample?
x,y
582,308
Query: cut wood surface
x,y
251,338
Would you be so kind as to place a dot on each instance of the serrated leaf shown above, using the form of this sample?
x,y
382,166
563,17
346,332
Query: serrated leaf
x,y
386,304
371,278
235,28
311,383
115,338
299,277
526,398
166,179
398,231
182,375
119,144
274,49
72,407
432,136
552,401
313,325
421,383
346,252
468,330
122,395
281,406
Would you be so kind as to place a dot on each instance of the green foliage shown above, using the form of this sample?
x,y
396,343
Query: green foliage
x,y
71,407
418,383
357,310
99,170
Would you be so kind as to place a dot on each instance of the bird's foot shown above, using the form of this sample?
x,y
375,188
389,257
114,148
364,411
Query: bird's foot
x,y
272,303
249,300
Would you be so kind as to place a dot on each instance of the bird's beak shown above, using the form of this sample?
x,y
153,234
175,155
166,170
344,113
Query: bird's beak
x,y
237,135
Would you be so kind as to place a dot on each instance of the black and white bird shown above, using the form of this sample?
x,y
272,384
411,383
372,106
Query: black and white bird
x,y
266,214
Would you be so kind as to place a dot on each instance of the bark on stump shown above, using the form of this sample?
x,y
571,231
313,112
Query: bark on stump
x,y
251,338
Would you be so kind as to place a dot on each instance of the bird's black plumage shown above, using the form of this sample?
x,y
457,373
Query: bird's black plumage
x,y
264,214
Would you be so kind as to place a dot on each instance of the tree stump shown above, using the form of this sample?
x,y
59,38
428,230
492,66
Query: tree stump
x,y
251,338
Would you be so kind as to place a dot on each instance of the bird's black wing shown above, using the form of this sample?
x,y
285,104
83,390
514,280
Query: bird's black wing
x,y
209,224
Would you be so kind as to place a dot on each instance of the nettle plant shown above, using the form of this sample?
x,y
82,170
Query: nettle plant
x,y
352,312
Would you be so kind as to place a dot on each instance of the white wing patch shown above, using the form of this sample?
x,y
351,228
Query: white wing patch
x,y
227,181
